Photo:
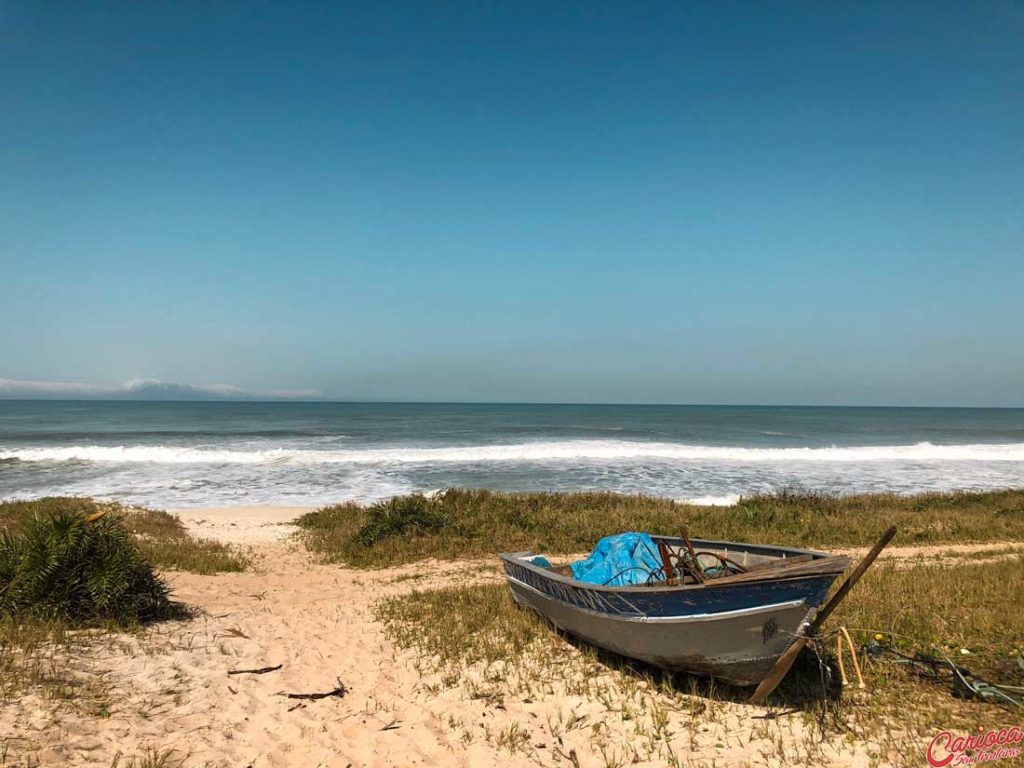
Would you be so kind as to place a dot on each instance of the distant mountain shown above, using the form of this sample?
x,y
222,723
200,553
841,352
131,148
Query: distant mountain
x,y
140,389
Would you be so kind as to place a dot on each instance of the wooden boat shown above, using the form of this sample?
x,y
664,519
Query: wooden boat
x,y
718,608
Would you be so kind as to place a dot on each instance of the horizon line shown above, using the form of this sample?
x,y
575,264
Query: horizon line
x,y
297,401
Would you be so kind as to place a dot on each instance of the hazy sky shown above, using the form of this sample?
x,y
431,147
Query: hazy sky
x,y
613,202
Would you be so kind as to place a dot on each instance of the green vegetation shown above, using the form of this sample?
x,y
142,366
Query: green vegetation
x,y
151,758
463,625
160,538
941,607
402,516
81,569
163,541
81,562
466,523
28,647
474,638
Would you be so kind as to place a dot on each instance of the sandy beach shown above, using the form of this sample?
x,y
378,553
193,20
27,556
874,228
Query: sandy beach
x,y
170,687
246,526
461,384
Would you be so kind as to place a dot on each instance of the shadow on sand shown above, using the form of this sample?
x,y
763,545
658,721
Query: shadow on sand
x,y
812,685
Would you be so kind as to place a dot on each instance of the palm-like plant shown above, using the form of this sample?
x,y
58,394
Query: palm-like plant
x,y
402,516
83,569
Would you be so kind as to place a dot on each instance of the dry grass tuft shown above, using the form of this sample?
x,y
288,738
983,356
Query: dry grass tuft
x,y
163,541
151,758
28,649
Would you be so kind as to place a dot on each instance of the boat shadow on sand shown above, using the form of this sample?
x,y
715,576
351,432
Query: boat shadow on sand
x,y
812,685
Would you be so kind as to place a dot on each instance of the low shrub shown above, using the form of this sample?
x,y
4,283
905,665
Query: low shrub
x,y
401,516
63,565
160,537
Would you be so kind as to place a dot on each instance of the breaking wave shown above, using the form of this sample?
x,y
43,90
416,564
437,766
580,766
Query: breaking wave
x,y
570,450
713,501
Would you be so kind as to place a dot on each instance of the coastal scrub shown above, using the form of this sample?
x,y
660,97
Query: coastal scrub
x,y
84,570
71,567
475,523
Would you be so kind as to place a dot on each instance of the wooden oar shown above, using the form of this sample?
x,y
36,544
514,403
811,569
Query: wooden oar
x,y
782,666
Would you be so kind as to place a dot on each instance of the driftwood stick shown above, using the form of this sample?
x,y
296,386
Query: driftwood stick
x,y
862,566
260,671
340,691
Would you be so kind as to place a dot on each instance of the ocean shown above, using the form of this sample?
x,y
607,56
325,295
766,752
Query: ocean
x,y
245,453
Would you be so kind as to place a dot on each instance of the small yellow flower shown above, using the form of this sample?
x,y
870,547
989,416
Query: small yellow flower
x,y
879,636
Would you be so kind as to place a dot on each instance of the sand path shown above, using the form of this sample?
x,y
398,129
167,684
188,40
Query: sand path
x,y
241,525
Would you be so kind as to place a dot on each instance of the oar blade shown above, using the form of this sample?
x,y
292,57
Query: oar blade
x,y
779,671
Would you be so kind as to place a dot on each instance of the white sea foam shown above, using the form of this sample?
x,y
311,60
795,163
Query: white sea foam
x,y
569,450
713,501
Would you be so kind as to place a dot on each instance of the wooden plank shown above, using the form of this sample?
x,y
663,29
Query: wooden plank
x,y
790,568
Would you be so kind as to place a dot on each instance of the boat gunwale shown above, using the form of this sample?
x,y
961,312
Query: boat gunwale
x,y
757,549
682,618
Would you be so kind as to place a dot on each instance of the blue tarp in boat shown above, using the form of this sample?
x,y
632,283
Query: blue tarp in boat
x,y
621,560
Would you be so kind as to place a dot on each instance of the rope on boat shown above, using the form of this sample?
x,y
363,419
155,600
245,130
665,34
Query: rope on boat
x,y
687,563
650,574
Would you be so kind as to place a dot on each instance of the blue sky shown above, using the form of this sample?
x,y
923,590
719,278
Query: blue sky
x,y
593,202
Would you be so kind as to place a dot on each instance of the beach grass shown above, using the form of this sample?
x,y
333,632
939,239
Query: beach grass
x,y
476,638
473,523
150,758
31,653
